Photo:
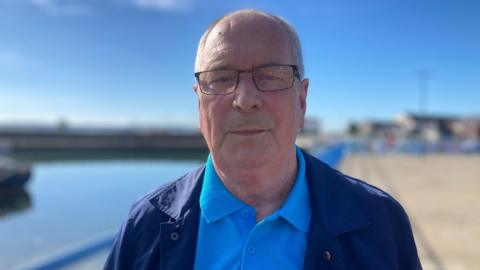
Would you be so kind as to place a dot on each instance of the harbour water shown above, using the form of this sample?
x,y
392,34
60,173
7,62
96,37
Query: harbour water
x,y
69,201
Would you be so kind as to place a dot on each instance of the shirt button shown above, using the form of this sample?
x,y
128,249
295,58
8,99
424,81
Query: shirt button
x,y
327,256
245,213
252,249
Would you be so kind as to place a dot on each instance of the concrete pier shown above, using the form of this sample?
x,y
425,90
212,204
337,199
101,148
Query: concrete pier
x,y
21,141
441,194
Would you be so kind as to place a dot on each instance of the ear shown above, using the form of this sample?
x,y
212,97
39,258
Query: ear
x,y
302,97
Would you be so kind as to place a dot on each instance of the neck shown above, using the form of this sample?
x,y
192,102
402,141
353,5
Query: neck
x,y
265,188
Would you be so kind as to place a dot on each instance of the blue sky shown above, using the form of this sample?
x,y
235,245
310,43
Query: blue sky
x,y
130,62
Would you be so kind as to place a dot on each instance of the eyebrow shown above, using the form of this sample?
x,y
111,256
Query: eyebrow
x,y
270,64
232,68
220,67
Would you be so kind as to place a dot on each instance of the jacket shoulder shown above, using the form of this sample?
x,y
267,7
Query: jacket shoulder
x,y
364,190
372,198
389,223
371,228
169,198
346,187
140,232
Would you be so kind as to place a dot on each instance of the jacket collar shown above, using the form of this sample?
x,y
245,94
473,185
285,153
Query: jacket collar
x,y
178,197
333,204
334,207
178,235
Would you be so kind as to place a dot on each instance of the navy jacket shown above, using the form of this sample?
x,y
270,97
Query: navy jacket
x,y
353,226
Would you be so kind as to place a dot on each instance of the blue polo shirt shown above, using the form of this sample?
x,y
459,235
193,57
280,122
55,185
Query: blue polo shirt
x,y
230,238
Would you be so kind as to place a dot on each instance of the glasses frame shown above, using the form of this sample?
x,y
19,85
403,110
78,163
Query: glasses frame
x,y
295,74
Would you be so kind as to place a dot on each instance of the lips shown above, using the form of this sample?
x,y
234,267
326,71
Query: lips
x,y
248,132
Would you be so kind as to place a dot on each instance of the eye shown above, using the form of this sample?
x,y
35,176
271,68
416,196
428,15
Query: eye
x,y
219,77
268,77
223,79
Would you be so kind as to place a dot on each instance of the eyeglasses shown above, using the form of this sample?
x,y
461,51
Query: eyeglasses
x,y
269,78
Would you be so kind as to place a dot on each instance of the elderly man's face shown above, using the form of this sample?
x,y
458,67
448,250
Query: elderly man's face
x,y
249,128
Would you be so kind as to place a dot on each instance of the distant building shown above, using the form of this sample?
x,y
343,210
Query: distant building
x,y
432,128
419,133
377,129
468,128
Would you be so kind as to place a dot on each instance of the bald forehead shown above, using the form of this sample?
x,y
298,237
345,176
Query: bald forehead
x,y
246,34
249,23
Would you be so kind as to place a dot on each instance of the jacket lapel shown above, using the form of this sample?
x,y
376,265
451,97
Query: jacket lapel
x,y
178,236
178,241
334,212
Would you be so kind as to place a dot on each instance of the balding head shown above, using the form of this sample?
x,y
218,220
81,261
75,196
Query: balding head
x,y
251,19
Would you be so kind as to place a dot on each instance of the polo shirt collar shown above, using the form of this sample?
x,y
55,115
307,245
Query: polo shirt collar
x,y
216,201
296,209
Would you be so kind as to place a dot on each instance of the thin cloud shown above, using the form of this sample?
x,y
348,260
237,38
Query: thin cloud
x,y
57,7
164,4
64,7
87,7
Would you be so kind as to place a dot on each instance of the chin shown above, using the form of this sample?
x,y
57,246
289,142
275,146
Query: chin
x,y
248,156
251,162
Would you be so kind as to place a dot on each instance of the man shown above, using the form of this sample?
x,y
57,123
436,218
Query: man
x,y
260,202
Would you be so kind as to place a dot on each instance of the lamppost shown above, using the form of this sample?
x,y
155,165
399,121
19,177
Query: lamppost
x,y
423,79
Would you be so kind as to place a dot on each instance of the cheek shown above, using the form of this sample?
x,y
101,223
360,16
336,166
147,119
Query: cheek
x,y
287,113
289,119
202,119
206,119
297,113
299,117
212,118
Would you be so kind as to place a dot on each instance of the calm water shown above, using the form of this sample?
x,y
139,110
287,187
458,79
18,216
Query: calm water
x,y
69,201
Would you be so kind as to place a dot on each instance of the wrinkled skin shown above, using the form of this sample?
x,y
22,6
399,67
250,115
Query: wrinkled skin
x,y
251,134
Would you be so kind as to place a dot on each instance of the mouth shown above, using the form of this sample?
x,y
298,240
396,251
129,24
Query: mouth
x,y
248,132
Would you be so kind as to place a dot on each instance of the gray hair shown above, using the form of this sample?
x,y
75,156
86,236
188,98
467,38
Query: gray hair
x,y
293,37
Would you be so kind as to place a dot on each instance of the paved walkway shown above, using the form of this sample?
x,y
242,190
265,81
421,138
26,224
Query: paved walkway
x,y
441,194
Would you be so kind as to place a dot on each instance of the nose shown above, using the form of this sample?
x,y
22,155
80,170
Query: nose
x,y
247,96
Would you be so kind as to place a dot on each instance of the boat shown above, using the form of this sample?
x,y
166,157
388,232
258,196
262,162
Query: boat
x,y
13,174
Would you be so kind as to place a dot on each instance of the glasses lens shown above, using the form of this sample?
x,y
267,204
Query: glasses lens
x,y
273,78
217,82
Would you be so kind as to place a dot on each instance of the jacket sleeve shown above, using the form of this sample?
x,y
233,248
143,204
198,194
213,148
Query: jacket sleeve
x,y
405,242
118,259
